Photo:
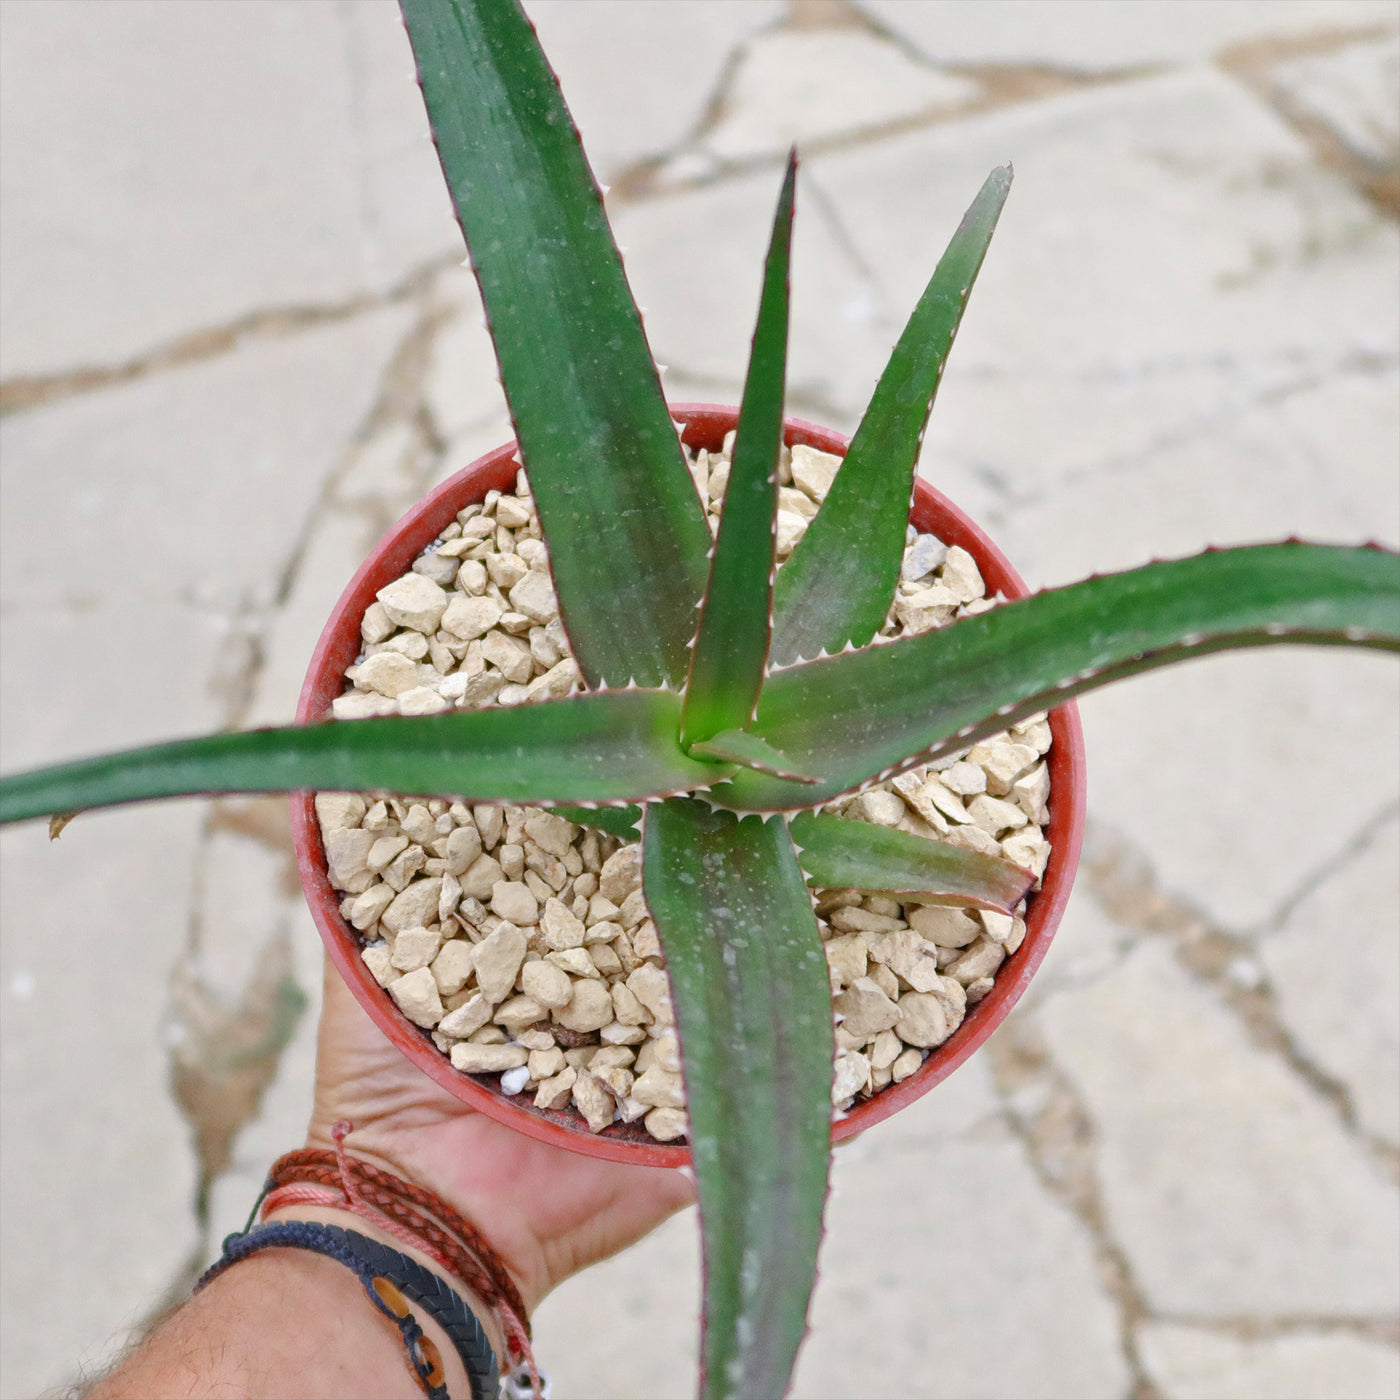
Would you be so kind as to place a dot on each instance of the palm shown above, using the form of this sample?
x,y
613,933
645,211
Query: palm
x,y
547,1211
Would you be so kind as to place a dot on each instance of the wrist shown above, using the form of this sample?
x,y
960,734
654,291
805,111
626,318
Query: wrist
x,y
351,1220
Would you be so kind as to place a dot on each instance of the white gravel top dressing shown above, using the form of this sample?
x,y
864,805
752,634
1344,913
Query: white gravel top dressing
x,y
522,942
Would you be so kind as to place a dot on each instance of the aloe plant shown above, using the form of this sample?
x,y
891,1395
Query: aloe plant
x,y
717,741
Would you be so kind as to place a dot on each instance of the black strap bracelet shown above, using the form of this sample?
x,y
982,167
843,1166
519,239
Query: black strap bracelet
x,y
375,1265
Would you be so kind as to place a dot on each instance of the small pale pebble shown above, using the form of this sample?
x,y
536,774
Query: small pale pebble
x,y
1016,937
996,926
649,985
536,1038
534,596
513,695
517,1013
469,617
415,948
422,700
946,802
490,822
961,574
357,704
593,1100
1030,791
884,978
634,909
550,833
475,1058
556,682
627,1009
964,778
506,570
414,906
453,965
621,874
927,608
905,1065
922,557
378,959
512,858
851,1074
497,961
606,960
866,1008
481,877
471,577
922,1020
846,959
1003,762
858,920
812,471
518,625
947,927
645,942
448,896
590,1007
509,656
616,1033
336,810
554,1093
413,645
414,601
468,1018
660,1088
385,849
513,901
376,625
1037,735
882,808
1027,849
974,838
417,997
981,960
347,853
666,1124
369,906
544,1063
548,984
512,513
886,1049
488,1035
559,926
514,1080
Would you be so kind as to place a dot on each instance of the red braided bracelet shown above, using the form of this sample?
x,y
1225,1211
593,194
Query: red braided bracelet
x,y
412,1215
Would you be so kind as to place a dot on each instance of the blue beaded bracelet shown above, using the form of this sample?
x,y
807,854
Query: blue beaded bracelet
x,y
388,1278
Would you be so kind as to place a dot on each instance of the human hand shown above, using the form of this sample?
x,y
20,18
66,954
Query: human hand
x,y
547,1212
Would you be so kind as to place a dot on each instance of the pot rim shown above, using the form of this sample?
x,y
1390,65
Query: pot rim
x,y
339,644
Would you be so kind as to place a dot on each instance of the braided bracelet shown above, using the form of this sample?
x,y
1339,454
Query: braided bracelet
x,y
387,1276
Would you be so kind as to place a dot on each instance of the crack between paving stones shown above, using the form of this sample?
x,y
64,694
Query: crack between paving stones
x,y
1123,883
1044,1111
1252,63
24,392
1385,1331
1353,364
1362,839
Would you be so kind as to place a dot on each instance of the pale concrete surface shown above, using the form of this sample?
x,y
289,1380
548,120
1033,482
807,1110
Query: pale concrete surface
x,y
237,344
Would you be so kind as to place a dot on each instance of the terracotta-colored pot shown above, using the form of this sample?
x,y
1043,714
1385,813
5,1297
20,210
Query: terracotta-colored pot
x,y
705,426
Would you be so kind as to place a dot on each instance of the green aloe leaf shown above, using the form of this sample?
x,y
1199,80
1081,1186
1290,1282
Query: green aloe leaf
x,y
747,749
837,854
839,582
731,646
626,531
872,712
753,1008
617,821
611,747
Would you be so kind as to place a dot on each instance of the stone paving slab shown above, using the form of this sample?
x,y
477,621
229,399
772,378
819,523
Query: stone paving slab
x,y
1084,35
1233,1191
1195,1365
245,158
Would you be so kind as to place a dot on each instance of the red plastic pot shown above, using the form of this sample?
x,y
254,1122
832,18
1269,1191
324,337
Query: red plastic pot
x,y
705,426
